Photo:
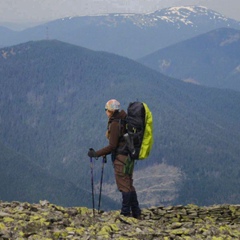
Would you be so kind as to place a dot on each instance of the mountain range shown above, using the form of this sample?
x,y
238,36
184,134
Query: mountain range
x,y
211,59
130,35
29,12
52,111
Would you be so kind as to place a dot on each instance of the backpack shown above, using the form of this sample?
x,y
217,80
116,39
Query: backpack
x,y
139,125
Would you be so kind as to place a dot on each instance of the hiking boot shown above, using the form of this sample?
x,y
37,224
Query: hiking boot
x,y
125,210
136,211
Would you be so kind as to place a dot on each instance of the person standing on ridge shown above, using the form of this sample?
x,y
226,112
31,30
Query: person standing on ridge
x,y
123,165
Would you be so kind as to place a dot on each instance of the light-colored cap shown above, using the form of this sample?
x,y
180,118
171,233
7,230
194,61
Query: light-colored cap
x,y
112,105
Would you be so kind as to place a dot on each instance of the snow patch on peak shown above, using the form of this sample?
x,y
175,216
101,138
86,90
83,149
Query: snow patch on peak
x,y
189,8
187,14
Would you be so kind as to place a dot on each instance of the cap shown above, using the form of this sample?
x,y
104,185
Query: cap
x,y
112,105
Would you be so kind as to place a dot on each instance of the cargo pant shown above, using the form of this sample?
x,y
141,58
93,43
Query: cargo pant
x,y
123,179
123,170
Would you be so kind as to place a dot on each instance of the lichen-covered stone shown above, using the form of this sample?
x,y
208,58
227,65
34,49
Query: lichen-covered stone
x,y
48,221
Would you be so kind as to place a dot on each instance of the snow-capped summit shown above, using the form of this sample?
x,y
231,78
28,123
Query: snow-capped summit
x,y
182,15
131,35
187,14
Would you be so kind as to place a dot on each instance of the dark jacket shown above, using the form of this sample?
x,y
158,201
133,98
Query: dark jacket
x,y
115,132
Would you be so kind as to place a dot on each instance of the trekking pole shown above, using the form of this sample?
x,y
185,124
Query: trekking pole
x,y
93,204
104,160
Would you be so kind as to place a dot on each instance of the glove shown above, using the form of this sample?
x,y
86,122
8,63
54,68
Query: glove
x,y
92,153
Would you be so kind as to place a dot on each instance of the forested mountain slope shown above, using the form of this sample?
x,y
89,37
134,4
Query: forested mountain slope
x,y
210,59
24,180
52,110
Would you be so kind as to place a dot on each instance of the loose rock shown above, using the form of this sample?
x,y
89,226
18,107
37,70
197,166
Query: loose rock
x,y
48,221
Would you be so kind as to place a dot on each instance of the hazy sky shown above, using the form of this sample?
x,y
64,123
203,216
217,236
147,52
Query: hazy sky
x,y
45,10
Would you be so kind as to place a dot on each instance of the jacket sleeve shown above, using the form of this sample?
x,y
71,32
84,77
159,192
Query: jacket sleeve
x,y
113,140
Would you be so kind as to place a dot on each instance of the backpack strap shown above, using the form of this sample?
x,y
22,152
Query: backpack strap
x,y
122,148
121,125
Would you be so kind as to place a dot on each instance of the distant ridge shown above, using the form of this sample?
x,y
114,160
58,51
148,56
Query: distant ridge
x,y
129,35
211,59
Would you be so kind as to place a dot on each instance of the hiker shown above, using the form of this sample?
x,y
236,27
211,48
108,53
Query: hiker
x,y
123,165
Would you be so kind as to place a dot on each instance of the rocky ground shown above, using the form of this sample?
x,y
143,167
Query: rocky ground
x,y
48,221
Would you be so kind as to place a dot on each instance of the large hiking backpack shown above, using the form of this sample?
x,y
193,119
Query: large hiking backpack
x,y
139,136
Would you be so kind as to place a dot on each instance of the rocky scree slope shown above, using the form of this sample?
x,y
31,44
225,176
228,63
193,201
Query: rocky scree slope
x,y
21,220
